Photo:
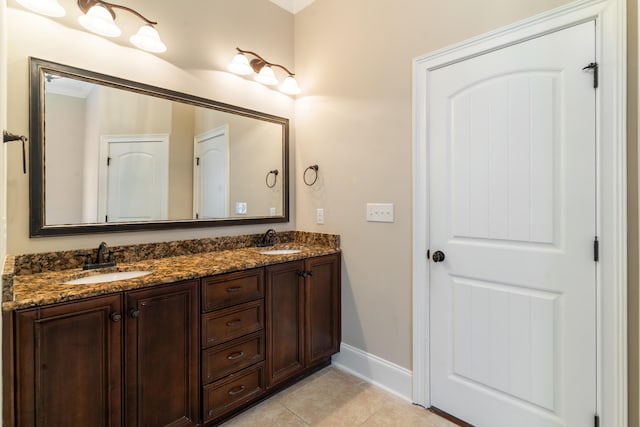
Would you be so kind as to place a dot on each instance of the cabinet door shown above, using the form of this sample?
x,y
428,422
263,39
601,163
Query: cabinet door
x,y
322,308
68,364
162,356
284,299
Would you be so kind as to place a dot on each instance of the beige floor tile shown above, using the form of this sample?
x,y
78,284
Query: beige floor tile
x,y
333,398
397,413
323,396
267,414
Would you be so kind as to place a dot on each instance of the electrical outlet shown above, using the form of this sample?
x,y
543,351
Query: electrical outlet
x,y
241,208
272,211
380,212
319,216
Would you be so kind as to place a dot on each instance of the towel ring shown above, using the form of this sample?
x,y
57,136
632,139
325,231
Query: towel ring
x,y
275,178
313,168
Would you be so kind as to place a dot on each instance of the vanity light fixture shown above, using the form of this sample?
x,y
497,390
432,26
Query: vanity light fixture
x,y
263,71
44,7
99,18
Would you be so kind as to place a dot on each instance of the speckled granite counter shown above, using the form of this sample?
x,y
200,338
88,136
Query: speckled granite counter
x,y
38,279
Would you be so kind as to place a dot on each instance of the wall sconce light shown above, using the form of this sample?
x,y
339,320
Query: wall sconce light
x,y
99,18
263,71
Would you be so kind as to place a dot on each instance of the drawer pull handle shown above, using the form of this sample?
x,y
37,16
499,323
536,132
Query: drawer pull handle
x,y
233,322
235,355
236,390
234,289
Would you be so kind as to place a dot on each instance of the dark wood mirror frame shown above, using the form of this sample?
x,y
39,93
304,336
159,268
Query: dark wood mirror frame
x,y
37,225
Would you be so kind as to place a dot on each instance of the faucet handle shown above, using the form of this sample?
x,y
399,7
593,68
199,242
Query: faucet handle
x,y
87,258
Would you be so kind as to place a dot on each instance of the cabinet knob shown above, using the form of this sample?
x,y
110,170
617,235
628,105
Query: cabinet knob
x,y
134,313
116,317
301,274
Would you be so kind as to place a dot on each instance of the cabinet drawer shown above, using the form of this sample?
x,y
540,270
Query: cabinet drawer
x,y
232,356
232,392
224,325
231,289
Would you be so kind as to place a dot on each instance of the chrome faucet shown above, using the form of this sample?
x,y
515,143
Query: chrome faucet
x,y
269,238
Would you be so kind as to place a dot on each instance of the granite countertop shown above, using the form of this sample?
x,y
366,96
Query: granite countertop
x,y
31,290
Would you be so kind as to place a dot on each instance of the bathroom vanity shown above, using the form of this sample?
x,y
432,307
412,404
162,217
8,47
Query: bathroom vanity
x,y
201,337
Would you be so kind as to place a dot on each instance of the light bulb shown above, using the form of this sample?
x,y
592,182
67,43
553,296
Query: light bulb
x,y
289,86
147,38
266,76
99,20
240,65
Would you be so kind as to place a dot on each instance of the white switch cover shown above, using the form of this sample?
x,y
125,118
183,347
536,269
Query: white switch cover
x,y
380,212
272,211
241,208
319,216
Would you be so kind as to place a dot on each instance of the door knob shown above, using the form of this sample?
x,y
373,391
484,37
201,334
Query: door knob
x,y
438,256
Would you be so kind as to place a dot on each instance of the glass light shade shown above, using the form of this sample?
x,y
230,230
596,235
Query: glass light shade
x,y
266,76
147,38
240,65
99,20
44,7
289,86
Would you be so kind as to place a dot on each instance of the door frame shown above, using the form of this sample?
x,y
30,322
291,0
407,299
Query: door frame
x,y
611,327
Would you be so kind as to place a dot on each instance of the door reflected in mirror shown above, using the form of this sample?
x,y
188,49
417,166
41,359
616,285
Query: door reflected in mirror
x,y
109,153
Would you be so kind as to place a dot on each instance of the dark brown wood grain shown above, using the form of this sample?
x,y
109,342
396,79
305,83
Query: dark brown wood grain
x,y
69,364
284,301
322,308
162,386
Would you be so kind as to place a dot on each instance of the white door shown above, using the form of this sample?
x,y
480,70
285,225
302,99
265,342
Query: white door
x,y
512,208
137,178
211,174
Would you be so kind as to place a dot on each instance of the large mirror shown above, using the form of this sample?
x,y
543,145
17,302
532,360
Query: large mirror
x,y
108,154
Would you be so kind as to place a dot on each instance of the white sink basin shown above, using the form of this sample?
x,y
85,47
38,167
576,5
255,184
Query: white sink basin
x,y
280,251
107,277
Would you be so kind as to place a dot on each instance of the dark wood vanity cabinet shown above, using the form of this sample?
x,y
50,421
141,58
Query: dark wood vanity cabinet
x,y
102,362
181,354
303,316
161,356
69,364
232,342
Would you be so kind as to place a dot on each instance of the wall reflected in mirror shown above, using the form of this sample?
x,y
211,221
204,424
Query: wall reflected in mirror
x,y
114,154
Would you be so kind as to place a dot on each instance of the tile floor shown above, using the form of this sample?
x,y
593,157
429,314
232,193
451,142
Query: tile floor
x,y
334,398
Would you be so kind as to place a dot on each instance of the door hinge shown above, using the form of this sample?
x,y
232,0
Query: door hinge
x,y
596,249
197,215
593,66
596,420
197,161
106,218
108,161
428,253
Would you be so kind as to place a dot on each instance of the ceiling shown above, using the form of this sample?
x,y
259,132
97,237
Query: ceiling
x,y
293,6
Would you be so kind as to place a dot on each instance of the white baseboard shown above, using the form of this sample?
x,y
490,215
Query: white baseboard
x,y
382,373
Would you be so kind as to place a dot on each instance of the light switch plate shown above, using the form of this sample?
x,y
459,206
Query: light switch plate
x,y
380,212
319,216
